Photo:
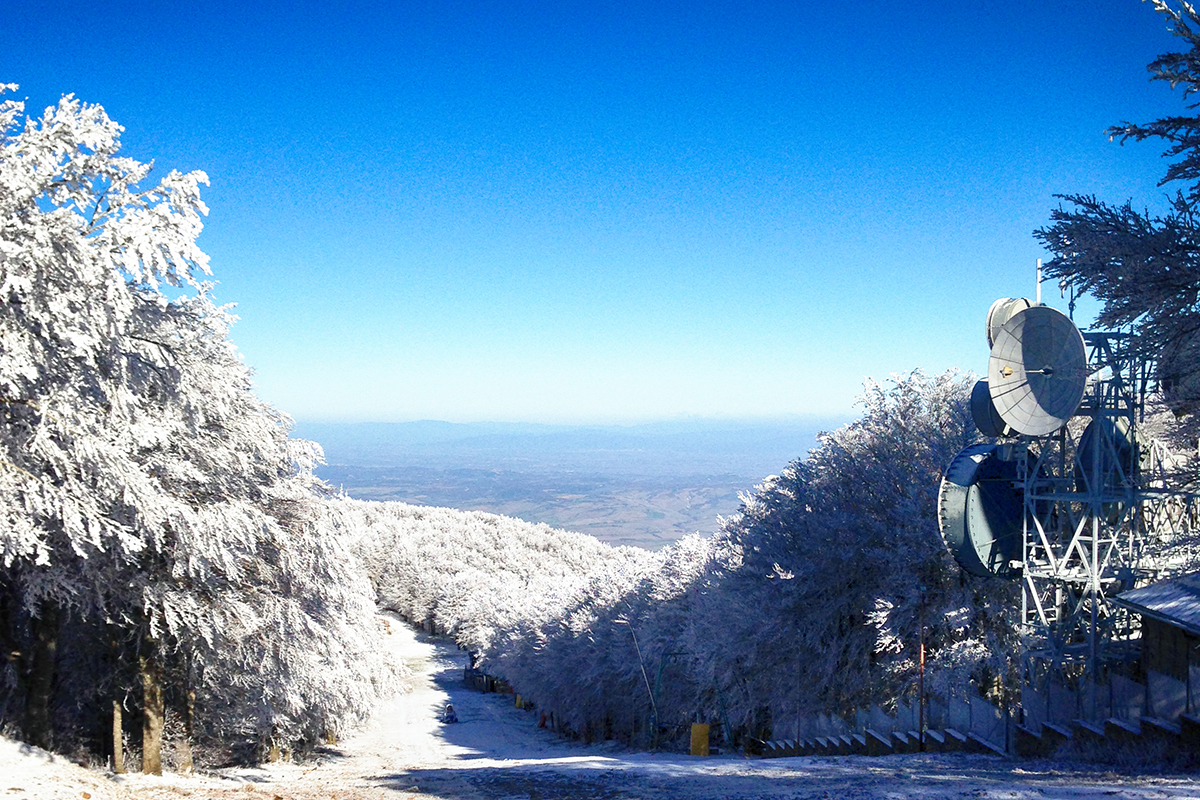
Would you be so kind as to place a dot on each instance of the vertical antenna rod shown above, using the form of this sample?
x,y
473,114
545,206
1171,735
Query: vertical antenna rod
x,y
1039,282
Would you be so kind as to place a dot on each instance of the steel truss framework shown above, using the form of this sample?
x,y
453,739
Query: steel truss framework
x,y
1100,518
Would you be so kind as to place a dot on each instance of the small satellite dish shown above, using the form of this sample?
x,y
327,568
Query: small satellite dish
x,y
1001,312
983,411
981,511
1037,372
1104,460
1106,449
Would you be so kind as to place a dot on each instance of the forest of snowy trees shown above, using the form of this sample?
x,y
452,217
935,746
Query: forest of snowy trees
x,y
168,559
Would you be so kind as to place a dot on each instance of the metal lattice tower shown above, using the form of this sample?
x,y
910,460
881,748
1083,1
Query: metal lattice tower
x,y
1095,511
1081,529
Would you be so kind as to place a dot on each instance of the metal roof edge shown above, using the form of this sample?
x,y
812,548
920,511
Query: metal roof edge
x,y
1174,622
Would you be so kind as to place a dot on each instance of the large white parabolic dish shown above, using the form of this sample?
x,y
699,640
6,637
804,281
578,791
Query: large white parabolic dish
x,y
1037,372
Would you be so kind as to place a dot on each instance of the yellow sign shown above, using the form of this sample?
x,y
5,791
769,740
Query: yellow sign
x,y
699,739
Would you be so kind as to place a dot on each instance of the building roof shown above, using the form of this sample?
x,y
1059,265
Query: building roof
x,y
1175,601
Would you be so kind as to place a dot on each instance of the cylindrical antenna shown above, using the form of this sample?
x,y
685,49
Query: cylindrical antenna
x,y
1039,282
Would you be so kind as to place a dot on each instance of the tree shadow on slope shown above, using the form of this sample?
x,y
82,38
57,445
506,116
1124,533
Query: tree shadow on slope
x,y
489,725
888,777
497,782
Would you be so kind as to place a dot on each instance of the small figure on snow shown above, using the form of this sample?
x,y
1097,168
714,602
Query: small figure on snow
x,y
448,715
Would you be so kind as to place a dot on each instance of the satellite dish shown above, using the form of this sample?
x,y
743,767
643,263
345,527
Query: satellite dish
x,y
1001,312
1037,371
983,411
1107,442
981,511
1104,460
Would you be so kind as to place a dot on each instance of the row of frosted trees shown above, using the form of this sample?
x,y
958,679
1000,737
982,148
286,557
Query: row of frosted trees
x,y
163,547
809,599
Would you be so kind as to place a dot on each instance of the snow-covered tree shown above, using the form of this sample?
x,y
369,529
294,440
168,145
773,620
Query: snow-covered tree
x,y
1143,266
841,551
253,591
155,513
77,240
477,576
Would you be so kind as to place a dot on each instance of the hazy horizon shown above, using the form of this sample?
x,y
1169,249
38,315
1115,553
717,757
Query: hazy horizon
x,y
643,485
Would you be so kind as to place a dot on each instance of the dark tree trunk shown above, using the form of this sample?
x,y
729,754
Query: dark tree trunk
x,y
41,675
10,649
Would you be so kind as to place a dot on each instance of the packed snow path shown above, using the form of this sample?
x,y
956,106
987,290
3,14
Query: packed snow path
x,y
497,752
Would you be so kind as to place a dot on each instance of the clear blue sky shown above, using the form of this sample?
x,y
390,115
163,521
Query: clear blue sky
x,y
599,212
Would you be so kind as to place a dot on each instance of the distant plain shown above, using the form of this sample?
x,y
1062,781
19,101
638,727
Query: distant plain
x,y
642,485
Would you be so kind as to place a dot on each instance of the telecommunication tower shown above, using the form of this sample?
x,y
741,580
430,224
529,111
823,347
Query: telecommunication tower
x,y
1068,498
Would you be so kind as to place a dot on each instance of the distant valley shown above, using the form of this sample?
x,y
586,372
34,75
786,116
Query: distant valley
x,y
644,485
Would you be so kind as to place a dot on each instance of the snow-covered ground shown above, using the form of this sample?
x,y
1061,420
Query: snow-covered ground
x,y
497,752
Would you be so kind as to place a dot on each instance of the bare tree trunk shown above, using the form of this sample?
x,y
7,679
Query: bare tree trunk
x,y
41,675
118,709
118,749
185,746
152,706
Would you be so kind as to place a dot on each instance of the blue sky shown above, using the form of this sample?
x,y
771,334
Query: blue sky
x,y
612,212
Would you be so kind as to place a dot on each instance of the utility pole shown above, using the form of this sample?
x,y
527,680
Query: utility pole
x,y
649,691
921,679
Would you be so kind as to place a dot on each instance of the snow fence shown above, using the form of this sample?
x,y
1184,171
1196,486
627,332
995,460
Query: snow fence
x,y
1161,696
965,713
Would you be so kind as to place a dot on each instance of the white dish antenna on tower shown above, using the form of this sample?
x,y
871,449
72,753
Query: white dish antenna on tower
x,y
1037,372
1001,312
